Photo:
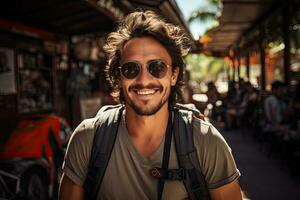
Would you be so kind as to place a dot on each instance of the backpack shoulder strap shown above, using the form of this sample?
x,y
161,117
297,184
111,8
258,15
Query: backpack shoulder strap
x,y
190,107
106,131
187,155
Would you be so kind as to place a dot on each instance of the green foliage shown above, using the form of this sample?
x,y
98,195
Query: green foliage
x,y
209,13
215,3
203,15
295,35
204,68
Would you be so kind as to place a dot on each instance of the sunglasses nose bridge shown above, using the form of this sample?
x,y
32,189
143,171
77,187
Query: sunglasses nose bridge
x,y
144,73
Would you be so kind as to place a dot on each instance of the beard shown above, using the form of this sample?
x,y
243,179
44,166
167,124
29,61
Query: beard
x,y
146,110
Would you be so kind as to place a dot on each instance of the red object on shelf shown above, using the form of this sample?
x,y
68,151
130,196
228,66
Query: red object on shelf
x,y
31,138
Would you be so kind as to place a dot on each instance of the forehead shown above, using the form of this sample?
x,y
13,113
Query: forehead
x,y
144,49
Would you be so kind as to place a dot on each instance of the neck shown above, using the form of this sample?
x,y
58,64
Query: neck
x,y
146,125
147,132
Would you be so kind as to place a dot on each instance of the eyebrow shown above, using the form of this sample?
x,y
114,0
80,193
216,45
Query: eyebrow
x,y
149,61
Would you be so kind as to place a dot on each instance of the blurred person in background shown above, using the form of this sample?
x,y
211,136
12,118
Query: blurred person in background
x,y
294,108
212,93
292,137
235,112
275,110
212,97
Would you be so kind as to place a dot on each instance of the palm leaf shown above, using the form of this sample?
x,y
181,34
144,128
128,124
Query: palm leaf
x,y
215,66
215,3
203,15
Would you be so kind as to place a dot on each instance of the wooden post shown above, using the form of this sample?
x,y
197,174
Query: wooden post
x,y
228,73
228,77
286,40
263,65
248,65
233,68
239,68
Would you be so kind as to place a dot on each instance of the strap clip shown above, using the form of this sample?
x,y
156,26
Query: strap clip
x,y
170,174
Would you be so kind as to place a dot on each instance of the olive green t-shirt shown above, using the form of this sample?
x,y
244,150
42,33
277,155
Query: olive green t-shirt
x,y
128,173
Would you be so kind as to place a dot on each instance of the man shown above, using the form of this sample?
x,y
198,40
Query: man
x,y
275,110
274,107
145,70
236,112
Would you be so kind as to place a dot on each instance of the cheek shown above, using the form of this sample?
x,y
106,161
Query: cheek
x,y
167,83
125,84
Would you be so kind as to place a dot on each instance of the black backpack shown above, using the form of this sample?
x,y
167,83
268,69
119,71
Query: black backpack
x,y
104,139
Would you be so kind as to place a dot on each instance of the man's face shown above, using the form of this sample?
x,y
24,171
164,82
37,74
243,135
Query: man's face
x,y
146,94
280,91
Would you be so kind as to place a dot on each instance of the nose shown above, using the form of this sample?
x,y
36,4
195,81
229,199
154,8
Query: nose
x,y
144,76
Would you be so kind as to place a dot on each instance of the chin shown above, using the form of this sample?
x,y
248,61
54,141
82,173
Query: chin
x,y
146,110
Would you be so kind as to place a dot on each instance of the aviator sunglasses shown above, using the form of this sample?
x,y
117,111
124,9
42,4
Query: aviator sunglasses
x,y
157,68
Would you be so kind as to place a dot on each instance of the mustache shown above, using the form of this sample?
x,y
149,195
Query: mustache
x,y
149,86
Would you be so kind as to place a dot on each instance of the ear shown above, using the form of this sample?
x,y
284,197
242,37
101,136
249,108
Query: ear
x,y
175,73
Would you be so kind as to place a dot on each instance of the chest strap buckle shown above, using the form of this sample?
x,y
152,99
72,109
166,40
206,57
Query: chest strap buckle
x,y
170,174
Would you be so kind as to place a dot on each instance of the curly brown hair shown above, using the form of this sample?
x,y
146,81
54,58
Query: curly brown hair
x,y
142,24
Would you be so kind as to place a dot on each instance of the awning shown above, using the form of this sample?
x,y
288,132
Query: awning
x,y
59,16
238,17
73,17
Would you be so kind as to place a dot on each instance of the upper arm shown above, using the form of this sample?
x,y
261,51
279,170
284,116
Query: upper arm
x,y
215,157
77,156
68,190
230,191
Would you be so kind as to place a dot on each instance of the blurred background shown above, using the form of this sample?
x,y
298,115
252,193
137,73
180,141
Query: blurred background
x,y
242,73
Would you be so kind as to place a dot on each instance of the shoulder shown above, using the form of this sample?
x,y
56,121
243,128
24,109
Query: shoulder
x,y
78,151
271,98
205,131
87,124
85,131
207,138
214,154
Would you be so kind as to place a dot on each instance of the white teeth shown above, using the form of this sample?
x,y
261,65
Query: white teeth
x,y
145,92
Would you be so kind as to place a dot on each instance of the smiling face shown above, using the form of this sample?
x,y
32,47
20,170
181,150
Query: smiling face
x,y
145,94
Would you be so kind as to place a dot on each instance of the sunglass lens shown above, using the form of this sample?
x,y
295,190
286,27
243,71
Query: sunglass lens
x,y
130,70
158,69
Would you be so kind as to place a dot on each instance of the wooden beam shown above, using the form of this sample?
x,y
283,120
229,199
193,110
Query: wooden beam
x,y
237,22
23,29
263,65
259,21
255,2
239,68
93,4
232,30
